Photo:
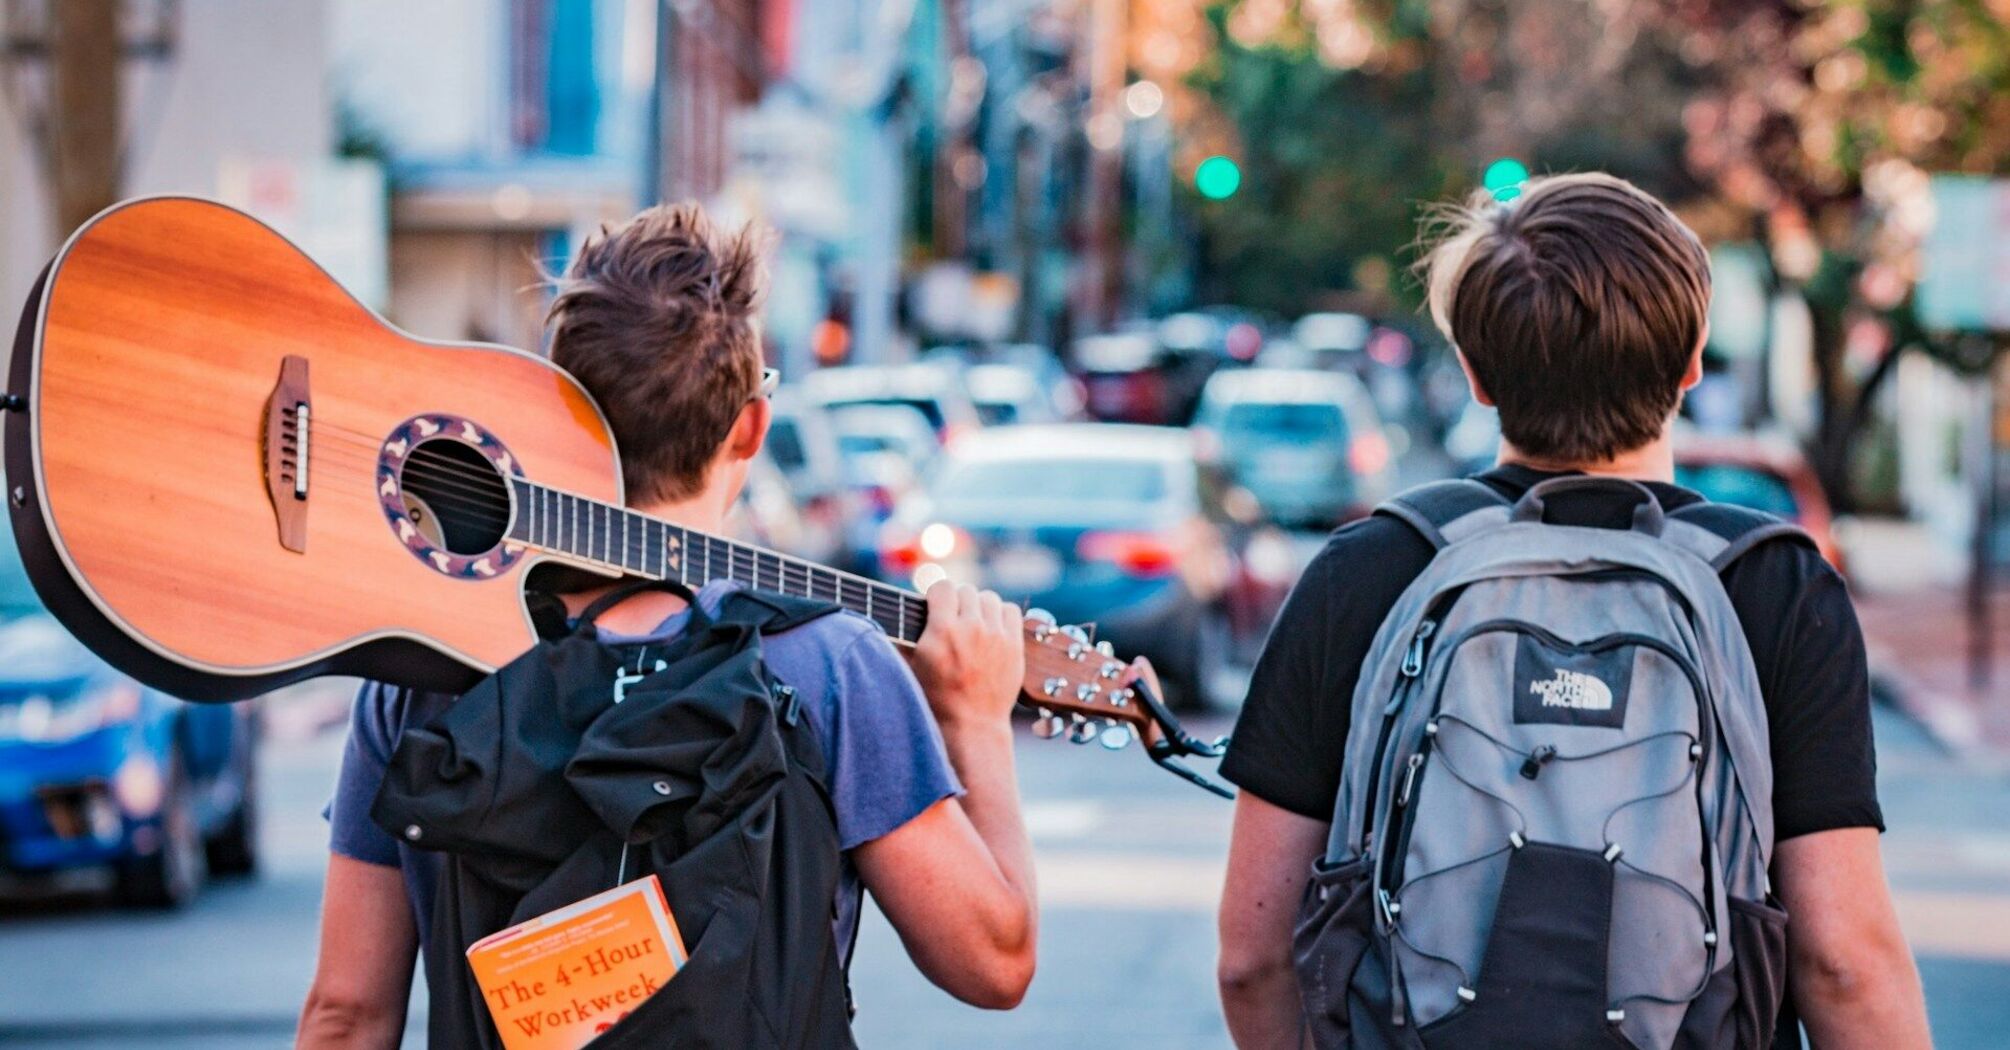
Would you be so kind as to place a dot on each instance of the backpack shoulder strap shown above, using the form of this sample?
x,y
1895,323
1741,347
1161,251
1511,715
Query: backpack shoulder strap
x,y
1720,533
1445,512
771,613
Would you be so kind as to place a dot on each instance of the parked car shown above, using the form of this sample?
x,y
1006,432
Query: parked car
x,y
934,390
1307,444
1109,525
884,449
1322,340
1121,381
769,513
99,773
1009,393
803,447
1761,472
1473,442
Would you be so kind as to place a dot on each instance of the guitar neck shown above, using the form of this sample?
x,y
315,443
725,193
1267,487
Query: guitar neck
x,y
603,534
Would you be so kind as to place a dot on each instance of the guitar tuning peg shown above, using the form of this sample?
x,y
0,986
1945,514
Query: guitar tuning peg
x,y
1115,736
1042,621
1075,632
1105,649
1047,725
1039,616
1082,731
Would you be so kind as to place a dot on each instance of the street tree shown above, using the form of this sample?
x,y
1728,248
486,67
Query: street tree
x,y
1821,123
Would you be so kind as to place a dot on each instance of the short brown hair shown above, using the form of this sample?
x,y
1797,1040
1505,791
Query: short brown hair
x,y
1577,304
656,318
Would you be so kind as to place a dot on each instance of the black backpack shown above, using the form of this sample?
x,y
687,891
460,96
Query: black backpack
x,y
542,790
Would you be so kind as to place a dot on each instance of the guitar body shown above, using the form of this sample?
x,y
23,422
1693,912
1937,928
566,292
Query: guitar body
x,y
169,355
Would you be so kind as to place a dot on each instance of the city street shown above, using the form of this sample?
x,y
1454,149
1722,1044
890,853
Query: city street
x,y
1130,866
357,336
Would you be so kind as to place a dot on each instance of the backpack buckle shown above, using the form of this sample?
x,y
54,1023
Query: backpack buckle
x,y
792,705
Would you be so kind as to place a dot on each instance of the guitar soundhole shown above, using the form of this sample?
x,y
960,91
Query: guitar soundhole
x,y
456,498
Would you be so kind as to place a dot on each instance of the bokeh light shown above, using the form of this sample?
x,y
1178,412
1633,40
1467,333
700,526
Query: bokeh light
x,y
1144,99
1504,178
1217,178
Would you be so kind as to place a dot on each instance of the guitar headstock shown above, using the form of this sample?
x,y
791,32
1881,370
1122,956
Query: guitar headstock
x,y
1080,689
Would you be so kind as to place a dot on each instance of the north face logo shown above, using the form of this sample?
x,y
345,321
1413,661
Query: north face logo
x,y
1582,686
1573,689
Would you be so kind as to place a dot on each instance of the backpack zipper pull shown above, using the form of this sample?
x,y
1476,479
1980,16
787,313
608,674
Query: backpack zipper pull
x,y
1409,779
1413,658
1532,767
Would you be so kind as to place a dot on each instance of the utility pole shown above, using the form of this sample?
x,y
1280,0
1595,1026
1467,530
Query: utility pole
x,y
1107,64
85,138
951,196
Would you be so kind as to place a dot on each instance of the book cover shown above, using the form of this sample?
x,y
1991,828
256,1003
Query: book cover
x,y
556,981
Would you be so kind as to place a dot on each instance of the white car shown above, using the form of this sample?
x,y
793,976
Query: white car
x,y
1307,443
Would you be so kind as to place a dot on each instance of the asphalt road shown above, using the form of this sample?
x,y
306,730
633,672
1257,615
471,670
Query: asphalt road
x,y
1130,867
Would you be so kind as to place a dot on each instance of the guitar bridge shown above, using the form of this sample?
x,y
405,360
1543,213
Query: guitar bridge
x,y
287,415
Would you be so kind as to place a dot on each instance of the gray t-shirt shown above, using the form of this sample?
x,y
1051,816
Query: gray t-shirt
x,y
883,754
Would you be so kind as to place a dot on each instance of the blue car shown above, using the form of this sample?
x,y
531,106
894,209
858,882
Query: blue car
x,y
100,773
1105,524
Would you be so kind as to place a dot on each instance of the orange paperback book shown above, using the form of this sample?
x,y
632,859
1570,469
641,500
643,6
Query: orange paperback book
x,y
557,981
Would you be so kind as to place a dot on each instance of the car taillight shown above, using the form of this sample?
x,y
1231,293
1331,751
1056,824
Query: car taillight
x,y
1243,341
824,509
1368,453
879,498
899,552
1138,553
904,549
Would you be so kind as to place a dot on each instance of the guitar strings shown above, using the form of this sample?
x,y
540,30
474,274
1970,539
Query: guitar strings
x,y
463,487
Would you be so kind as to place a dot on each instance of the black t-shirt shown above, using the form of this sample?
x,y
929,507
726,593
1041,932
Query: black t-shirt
x,y
1795,609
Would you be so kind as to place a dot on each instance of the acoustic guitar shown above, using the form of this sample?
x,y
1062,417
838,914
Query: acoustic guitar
x,y
226,474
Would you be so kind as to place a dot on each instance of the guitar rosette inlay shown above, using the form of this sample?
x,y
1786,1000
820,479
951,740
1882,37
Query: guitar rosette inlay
x,y
443,482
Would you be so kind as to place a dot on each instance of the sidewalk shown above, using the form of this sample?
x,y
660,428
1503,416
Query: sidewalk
x,y
1911,596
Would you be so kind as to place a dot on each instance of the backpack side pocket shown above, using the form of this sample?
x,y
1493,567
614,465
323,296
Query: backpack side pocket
x,y
1759,957
1334,924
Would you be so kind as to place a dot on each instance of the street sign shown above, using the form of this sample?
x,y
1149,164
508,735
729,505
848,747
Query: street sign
x,y
333,209
1964,282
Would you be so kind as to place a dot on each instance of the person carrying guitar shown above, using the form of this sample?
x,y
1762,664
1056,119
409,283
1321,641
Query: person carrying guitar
x,y
656,319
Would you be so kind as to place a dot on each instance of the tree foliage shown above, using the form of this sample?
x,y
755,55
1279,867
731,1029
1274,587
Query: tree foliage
x,y
1335,163
1807,126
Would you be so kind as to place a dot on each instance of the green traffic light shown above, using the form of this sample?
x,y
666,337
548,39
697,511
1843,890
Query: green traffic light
x,y
1504,178
1217,178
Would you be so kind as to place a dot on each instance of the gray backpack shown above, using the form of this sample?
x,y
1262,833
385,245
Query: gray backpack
x,y
1555,817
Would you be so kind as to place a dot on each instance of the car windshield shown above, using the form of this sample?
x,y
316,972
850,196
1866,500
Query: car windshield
x,y
864,444
1739,485
930,408
997,413
17,595
1286,421
1079,481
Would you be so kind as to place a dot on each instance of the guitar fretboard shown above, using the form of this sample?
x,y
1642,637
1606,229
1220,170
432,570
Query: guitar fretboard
x,y
635,543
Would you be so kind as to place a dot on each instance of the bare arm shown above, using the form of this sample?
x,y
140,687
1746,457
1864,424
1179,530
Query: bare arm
x,y
957,881
363,978
1270,856
1849,971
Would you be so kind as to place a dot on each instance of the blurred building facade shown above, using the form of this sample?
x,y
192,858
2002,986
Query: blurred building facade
x,y
243,84
938,170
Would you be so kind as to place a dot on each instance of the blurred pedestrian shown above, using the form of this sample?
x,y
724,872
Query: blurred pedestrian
x,y
1544,840
656,319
